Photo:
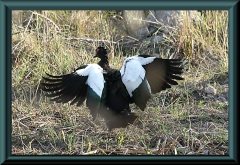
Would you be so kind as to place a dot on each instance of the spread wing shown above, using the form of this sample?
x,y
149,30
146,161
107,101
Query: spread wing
x,y
144,75
86,82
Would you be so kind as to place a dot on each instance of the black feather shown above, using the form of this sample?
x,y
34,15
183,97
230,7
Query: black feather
x,y
65,88
141,95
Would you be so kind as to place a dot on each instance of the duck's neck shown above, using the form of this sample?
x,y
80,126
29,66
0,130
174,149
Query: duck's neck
x,y
104,63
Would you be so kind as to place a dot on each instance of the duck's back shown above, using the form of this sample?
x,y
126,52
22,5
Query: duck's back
x,y
117,98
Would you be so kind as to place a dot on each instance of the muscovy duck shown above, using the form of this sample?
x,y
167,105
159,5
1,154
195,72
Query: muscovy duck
x,y
109,92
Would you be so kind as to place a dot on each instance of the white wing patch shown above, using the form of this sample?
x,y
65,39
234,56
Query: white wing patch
x,y
133,73
95,77
145,61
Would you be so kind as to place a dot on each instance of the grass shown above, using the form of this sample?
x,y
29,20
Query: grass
x,y
184,120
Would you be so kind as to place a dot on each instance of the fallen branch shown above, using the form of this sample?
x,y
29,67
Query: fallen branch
x,y
100,41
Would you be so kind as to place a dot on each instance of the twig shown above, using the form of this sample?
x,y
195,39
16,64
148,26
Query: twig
x,y
24,134
161,151
91,152
23,125
13,106
100,41
124,151
35,95
46,19
173,143
69,44
16,46
28,24
102,151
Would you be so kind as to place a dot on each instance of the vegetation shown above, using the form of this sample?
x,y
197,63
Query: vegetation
x,y
187,119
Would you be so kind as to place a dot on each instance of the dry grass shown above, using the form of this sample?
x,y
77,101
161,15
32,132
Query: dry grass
x,y
185,120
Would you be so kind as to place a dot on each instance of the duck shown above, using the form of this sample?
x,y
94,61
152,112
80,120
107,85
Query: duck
x,y
108,92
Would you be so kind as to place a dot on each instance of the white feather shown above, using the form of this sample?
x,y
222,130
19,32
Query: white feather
x,y
133,73
95,77
149,87
145,61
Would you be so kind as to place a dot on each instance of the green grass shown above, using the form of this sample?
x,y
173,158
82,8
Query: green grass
x,y
183,120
